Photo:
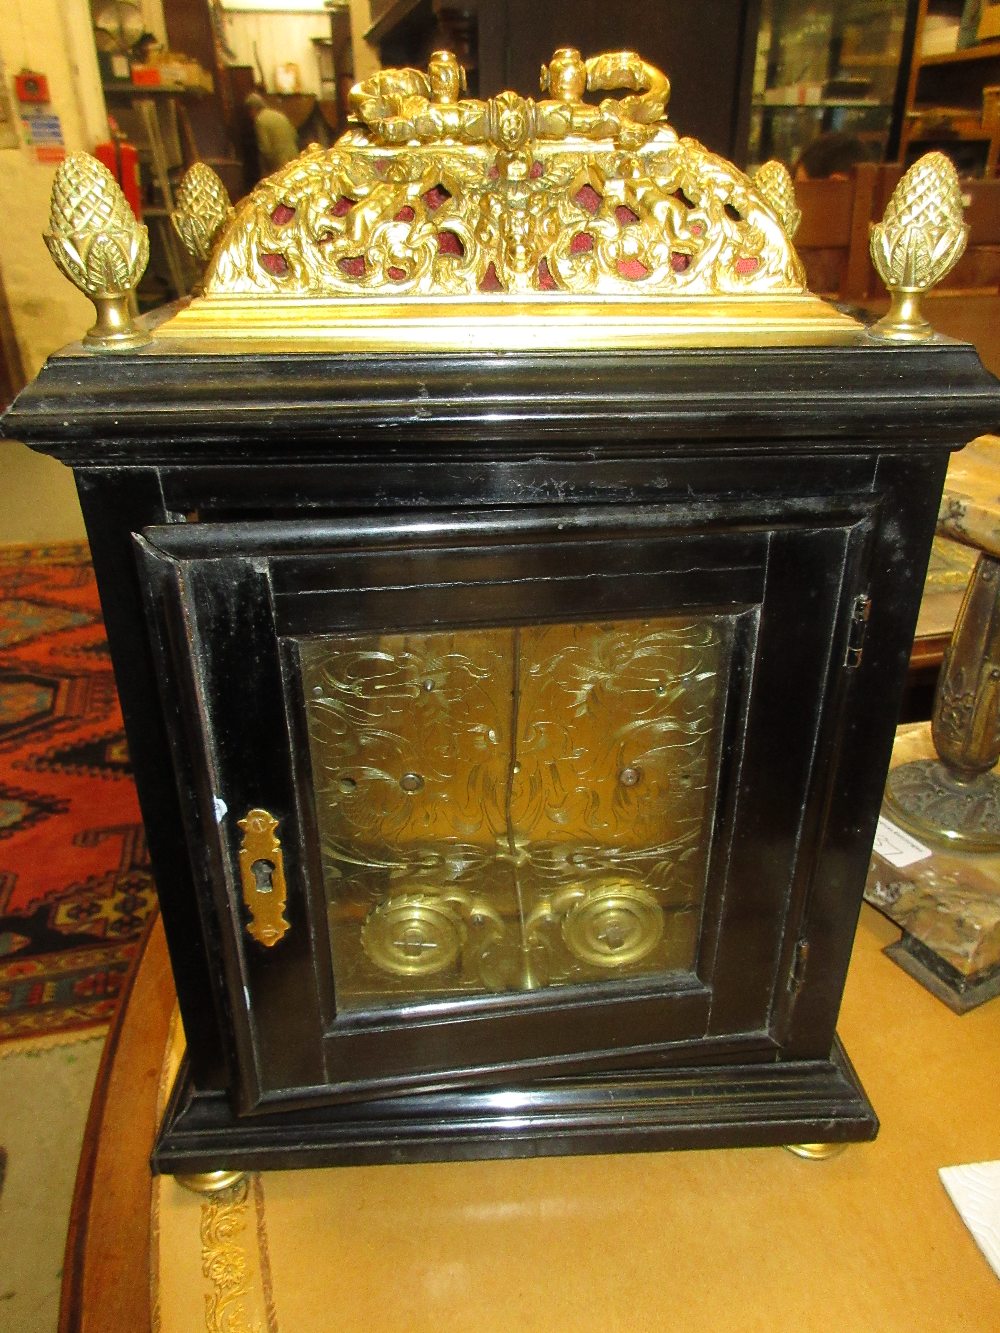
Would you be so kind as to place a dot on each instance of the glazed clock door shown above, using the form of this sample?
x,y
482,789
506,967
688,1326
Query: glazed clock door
x,y
509,810
472,788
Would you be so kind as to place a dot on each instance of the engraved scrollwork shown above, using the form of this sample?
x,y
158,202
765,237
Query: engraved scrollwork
x,y
495,803
381,710
938,806
955,704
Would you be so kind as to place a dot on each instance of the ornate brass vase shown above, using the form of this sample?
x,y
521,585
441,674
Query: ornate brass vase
x,y
955,800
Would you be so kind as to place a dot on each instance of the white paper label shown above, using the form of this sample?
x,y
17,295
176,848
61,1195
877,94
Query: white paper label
x,y
221,809
975,1191
896,846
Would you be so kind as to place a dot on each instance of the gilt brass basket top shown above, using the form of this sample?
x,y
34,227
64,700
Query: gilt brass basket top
x,y
578,219
432,194
573,220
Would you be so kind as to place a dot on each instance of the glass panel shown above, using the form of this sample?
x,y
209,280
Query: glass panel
x,y
501,810
825,67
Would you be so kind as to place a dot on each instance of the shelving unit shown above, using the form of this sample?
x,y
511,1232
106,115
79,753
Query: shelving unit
x,y
953,98
822,102
811,52
388,15
984,51
159,127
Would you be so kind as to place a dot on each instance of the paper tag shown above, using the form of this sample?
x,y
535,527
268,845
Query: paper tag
x,y
974,1189
897,847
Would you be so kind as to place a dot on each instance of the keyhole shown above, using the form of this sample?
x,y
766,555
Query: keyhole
x,y
262,872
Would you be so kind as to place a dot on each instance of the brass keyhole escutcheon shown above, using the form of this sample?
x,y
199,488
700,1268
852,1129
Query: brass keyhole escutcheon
x,y
262,871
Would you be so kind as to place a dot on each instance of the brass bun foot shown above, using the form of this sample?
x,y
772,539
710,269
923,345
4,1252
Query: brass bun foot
x,y
210,1182
936,805
816,1152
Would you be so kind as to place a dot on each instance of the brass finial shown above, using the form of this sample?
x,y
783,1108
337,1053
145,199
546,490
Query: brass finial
x,y
920,239
97,243
773,182
203,209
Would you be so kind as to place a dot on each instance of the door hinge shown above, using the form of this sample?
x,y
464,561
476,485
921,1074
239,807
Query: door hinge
x,y
797,975
858,629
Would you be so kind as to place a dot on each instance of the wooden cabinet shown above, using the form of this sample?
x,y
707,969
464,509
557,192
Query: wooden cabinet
x,y
594,711
838,67
510,575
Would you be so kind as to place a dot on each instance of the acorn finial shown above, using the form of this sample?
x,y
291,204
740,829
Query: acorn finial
x,y
920,239
203,209
97,243
775,186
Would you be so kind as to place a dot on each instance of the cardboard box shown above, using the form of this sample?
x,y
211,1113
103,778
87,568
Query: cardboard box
x,y
989,21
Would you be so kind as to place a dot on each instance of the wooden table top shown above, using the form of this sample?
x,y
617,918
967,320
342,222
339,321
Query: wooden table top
x,y
742,1239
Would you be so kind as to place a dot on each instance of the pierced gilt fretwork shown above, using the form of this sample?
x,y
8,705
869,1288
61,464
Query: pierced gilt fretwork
x,y
575,194
436,194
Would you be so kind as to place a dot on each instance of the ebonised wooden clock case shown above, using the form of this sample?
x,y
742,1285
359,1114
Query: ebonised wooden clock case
x,y
237,505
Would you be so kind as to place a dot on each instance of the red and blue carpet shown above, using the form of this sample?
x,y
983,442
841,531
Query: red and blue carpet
x,y
75,887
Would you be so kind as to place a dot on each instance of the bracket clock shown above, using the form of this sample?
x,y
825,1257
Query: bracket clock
x,y
509,571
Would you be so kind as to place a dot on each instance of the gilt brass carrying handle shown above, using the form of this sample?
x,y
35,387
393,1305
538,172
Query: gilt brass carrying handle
x,y
262,870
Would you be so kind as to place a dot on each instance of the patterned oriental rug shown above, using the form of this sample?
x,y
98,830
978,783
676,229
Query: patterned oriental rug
x,y
75,887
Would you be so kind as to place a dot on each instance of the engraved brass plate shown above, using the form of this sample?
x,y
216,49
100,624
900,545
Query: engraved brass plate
x,y
262,871
509,809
